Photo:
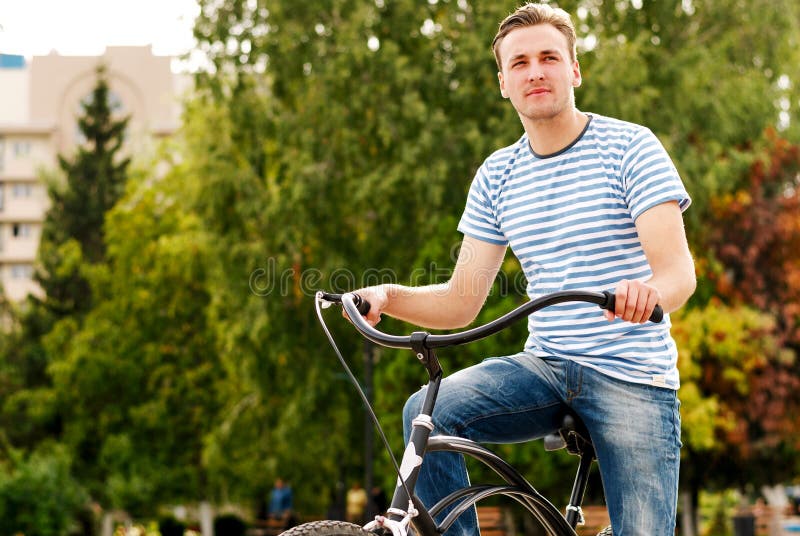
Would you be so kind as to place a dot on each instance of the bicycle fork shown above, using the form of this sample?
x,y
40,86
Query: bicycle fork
x,y
403,507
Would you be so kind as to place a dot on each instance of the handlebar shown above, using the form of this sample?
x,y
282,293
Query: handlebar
x,y
361,304
353,305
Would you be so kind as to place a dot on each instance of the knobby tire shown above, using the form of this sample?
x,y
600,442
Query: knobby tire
x,y
327,528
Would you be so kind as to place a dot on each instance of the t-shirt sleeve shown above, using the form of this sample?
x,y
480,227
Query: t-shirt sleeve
x,y
649,176
479,219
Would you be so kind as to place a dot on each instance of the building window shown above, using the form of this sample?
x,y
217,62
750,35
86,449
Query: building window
x,y
21,230
21,149
2,152
21,271
115,103
22,189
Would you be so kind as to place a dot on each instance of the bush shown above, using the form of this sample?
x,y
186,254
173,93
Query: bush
x,y
169,526
229,525
38,494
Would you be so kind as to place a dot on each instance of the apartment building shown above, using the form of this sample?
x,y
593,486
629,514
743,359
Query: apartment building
x,y
40,101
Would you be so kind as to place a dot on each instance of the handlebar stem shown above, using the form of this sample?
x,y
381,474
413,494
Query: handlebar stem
x,y
426,355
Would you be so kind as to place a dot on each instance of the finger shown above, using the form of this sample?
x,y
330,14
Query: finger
x,y
632,302
621,293
647,299
640,308
653,299
373,316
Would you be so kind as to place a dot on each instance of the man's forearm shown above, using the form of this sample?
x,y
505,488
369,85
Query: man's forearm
x,y
441,306
676,288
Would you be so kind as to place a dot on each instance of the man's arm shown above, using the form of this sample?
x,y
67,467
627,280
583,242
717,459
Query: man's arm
x,y
443,306
663,239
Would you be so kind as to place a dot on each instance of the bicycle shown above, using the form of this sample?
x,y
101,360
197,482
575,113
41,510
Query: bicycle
x,y
406,511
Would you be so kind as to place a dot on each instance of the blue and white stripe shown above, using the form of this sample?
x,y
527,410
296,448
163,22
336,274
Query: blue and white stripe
x,y
569,219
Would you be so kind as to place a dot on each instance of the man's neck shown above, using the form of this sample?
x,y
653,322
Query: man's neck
x,y
549,136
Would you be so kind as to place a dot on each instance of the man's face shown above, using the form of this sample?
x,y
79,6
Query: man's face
x,y
537,73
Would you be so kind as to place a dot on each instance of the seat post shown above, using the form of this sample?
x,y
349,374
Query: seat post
x,y
574,512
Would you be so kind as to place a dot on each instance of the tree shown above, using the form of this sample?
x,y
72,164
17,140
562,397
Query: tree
x,y
703,76
757,236
327,144
38,494
756,240
95,180
137,380
362,124
72,237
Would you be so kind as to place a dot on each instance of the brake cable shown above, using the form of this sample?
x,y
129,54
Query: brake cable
x,y
363,396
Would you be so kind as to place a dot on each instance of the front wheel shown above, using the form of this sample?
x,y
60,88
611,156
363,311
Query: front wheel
x,y
327,528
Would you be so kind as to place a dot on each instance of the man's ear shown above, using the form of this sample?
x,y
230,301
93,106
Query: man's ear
x,y
503,91
576,74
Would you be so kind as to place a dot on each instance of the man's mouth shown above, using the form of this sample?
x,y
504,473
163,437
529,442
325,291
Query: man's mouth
x,y
537,91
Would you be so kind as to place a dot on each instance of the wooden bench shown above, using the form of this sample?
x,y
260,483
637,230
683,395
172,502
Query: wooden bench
x,y
266,527
596,519
494,521
767,520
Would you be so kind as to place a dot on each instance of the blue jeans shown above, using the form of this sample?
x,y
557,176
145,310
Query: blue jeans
x,y
635,430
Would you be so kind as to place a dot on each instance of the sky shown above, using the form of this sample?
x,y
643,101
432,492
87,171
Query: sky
x,y
86,27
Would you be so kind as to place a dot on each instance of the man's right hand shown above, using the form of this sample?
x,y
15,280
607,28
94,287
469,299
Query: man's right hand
x,y
378,300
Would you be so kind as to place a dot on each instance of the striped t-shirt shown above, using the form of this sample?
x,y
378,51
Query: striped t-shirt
x,y
569,218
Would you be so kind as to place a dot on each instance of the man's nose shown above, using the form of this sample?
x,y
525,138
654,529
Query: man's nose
x,y
535,73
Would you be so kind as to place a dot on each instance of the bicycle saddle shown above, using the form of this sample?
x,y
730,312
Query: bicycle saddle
x,y
572,435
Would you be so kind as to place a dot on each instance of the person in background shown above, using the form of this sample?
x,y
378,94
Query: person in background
x,y
281,506
356,503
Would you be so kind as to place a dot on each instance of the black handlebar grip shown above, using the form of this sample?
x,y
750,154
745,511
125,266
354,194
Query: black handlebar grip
x,y
657,315
611,300
362,305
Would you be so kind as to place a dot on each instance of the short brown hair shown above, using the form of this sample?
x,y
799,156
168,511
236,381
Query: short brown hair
x,y
531,15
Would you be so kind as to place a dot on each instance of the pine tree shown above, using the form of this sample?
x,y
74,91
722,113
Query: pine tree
x,y
95,180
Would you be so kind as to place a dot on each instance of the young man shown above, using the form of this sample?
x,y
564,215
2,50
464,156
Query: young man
x,y
585,202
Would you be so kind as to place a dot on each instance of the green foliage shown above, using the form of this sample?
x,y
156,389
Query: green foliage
x,y
38,494
72,236
703,76
344,129
137,379
72,230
